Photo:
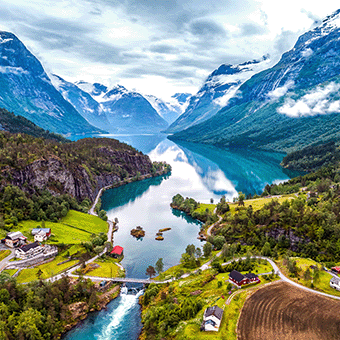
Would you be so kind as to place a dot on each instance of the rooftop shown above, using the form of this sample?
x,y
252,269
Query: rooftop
x,y
117,250
237,276
216,311
29,246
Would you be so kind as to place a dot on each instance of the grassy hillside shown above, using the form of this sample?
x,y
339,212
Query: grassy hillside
x,y
19,124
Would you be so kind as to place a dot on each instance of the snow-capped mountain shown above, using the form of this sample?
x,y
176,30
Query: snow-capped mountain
x,y
126,111
219,87
287,107
27,90
170,111
89,108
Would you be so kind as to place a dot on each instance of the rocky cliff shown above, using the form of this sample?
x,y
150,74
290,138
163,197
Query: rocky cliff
x,y
79,168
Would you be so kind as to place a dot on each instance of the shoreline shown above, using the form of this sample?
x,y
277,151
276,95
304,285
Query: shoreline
x,y
115,292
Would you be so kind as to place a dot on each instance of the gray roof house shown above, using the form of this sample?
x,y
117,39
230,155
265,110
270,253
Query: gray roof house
x,y
212,319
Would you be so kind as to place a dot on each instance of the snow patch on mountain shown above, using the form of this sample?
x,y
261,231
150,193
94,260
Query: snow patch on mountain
x,y
10,69
316,102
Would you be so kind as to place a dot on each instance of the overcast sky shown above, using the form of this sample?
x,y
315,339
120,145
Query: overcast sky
x,y
156,46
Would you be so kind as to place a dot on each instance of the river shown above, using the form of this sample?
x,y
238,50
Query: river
x,y
198,171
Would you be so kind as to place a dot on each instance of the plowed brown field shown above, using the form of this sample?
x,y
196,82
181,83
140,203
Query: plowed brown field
x,y
281,312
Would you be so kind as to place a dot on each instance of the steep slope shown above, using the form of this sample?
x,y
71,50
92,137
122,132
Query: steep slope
x,y
169,111
26,90
126,111
290,106
19,124
89,108
79,168
219,87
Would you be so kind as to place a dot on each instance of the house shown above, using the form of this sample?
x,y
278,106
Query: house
x,y
47,231
29,250
15,239
40,236
335,270
212,319
117,251
240,280
335,283
252,278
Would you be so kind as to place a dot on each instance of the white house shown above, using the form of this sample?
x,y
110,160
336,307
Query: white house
x,y
40,236
29,250
15,239
212,319
335,283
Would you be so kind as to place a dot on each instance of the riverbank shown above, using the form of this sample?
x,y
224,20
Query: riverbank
x,y
80,310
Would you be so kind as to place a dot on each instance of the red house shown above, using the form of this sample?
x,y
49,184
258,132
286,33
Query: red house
x,y
336,270
240,280
117,251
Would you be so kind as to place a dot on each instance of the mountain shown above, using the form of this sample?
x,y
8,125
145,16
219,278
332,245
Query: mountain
x,y
168,110
89,108
19,124
26,90
292,105
219,87
127,111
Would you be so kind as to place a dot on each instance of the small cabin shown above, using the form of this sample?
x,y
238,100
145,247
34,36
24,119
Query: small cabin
x,y
335,283
117,251
335,270
15,239
40,236
47,231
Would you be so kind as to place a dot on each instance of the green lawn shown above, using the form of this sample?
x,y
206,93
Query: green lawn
x,y
321,285
4,254
49,269
259,203
74,228
108,268
202,207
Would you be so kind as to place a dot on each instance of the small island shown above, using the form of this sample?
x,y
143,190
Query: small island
x,y
138,232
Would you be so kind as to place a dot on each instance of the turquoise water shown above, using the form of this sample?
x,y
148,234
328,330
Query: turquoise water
x,y
198,171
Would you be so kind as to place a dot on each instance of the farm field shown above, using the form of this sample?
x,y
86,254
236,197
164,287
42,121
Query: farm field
x,y
74,228
281,312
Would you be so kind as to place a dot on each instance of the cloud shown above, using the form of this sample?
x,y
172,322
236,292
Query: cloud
x,y
314,103
207,28
284,41
163,48
280,91
307,53
249,29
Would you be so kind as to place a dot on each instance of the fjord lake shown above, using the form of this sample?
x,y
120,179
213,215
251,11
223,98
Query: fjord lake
x,y
202,172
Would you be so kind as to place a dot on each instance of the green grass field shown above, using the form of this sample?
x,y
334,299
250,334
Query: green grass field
x,y
49,269
4,254
74,228
259,203
322,284
108,268
203,207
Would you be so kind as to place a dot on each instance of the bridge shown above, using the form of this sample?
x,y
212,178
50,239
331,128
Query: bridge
x,y
123,279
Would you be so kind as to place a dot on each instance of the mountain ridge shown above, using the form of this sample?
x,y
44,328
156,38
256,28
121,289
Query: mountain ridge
x,y
287,107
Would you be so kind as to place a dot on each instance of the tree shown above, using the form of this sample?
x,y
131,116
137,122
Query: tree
x,y
198,252
159,265
190,249
150,271
266,249
218,241
241,198
207,249
39,273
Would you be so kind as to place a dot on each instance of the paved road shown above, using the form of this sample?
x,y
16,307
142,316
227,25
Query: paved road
x,y
4,263
284,278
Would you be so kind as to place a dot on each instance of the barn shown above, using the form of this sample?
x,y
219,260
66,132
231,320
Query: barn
x,y
117,251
